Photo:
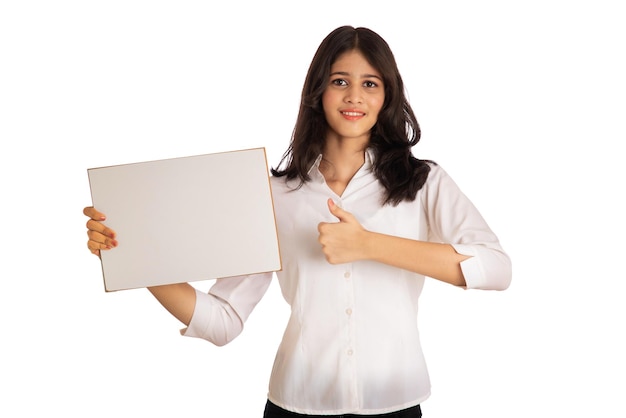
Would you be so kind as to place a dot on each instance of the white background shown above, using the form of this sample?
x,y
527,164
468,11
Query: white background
x,y
523,103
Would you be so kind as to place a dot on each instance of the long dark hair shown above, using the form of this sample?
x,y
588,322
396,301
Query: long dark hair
x,y
392,137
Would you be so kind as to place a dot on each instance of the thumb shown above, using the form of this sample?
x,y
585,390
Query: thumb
x,y
338,212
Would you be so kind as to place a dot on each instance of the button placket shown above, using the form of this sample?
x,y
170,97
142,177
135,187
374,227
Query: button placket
x,y
349,352
349,304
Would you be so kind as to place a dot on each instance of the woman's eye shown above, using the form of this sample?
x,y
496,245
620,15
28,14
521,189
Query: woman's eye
x,y
370,84
340,82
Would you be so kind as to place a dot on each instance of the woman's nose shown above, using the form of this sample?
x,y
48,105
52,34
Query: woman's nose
x,y
354,95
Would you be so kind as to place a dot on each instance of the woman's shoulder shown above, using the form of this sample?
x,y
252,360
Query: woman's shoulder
x,y
435,171
281,185
439,180
279,182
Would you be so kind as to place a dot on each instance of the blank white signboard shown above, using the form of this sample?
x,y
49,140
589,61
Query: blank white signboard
x,y
187,219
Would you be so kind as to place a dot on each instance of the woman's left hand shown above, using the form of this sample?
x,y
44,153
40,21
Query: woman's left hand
x,y
343,241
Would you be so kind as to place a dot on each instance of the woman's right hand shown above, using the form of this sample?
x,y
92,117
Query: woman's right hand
x,y
100,236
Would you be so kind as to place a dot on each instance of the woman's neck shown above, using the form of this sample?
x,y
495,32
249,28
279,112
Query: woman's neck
x,y
340,162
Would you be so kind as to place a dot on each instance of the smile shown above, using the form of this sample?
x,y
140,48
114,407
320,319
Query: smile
x,y
353,114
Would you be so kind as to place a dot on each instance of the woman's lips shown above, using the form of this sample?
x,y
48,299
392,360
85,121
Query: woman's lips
x,y
352,114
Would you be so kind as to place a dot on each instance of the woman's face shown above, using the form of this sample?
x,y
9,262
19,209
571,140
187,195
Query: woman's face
x,y
353,97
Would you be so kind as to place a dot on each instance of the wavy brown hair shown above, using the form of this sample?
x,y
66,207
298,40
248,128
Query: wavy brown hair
x,y
396,131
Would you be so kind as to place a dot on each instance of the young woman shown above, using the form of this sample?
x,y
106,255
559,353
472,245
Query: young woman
x,y
361,223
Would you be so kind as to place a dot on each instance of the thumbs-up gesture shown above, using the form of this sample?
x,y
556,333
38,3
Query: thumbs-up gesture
x,y
343,241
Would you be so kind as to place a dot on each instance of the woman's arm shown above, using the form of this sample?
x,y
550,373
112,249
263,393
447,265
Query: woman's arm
x,y
461,248
439,261
222,312
178,299
347,241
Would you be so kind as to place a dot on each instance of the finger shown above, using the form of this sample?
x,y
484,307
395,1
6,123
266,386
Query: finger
x,y
91,212
322,238
99,240
100,228
95,247
338,212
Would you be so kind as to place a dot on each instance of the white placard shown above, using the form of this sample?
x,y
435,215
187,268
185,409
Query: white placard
x,y
187,219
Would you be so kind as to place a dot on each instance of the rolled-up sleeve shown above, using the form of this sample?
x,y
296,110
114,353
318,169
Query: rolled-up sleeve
x,y
219,315
488,268
453,219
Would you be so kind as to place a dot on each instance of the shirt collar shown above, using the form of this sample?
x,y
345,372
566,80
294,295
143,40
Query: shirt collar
x,y
315,174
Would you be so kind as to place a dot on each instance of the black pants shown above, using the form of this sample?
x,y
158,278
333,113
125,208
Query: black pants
x,y
273,411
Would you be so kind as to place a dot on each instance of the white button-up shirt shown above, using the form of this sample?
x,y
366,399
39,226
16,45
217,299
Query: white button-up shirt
x,y
352,343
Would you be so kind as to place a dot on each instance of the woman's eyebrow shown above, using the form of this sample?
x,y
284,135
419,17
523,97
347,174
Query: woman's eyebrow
x,y
346,74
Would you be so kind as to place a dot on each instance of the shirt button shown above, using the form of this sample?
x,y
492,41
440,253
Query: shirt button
x,y
346,274
350,352
349,311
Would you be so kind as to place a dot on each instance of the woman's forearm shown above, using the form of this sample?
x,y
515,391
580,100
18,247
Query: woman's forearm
x,y
436,260
179,299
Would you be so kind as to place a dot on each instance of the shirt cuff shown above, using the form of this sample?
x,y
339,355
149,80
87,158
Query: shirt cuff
x,y
202,315
487,268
